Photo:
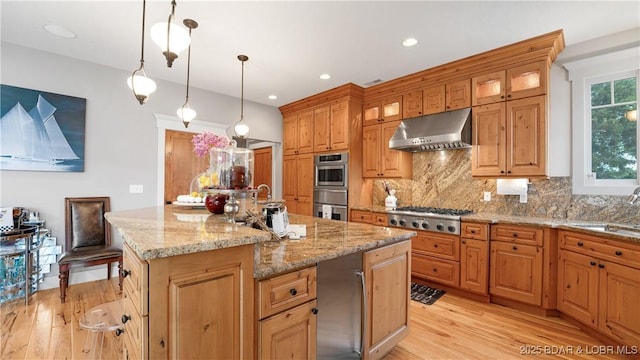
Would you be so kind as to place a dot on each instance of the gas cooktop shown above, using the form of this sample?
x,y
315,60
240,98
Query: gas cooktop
x,y
428,218
425,211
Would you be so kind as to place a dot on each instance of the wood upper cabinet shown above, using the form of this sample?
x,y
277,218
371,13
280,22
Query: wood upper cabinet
x,y
433,100
387,273
458,95
378,111
297,133
510,138
378,159
599,284
297,183
331,127
510,84
412,104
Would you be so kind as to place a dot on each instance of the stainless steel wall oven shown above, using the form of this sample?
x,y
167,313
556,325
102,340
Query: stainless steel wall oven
x,y
330,192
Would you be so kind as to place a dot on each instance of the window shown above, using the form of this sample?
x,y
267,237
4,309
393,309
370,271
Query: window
x,y
604,91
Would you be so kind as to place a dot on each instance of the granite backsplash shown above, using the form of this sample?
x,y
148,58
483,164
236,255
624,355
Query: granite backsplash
x,y
443,179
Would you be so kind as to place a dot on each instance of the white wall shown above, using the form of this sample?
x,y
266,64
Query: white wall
x,y
121,136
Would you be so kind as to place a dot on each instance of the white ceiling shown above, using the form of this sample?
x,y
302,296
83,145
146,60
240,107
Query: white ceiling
x,y
291,43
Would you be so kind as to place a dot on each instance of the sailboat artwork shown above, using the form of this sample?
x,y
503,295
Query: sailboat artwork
x,y
41,131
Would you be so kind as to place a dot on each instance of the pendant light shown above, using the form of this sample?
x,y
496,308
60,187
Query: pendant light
x,y
242,129
171,38
141,85
186,113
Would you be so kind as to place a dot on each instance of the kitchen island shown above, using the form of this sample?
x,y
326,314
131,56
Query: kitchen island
x,y
192,280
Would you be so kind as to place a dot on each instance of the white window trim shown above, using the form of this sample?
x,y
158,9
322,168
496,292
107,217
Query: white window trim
x,y
580,72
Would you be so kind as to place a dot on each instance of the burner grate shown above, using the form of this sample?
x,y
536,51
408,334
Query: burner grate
x,y
433,210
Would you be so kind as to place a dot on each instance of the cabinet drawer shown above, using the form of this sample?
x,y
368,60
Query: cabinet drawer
x,y
474,231
442,271
517,234
136,281
286,291
290,335
442,246
381,219
614,251
136,331
366,217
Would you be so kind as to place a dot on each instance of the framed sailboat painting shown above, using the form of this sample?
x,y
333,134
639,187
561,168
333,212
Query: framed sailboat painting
x,y
41,131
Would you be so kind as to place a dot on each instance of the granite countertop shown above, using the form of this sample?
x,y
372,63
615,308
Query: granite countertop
x,y
173,230
567,224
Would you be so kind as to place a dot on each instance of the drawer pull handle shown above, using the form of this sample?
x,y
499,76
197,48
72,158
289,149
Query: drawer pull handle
x,y
473,231
515,235
618,253
464,241
435,245
593,263
125,318
580,243
601,266
119,332
515,248
314,311
435,270
125,273
293,292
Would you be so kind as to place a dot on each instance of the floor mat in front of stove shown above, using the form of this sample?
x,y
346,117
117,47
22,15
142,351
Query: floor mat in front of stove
x,y
424,294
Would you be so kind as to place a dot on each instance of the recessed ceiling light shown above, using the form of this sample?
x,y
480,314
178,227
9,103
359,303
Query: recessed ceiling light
x,y
61,31
409,42
325,76
273,97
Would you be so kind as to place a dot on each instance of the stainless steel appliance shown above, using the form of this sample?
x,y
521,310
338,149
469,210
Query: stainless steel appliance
x,y
428,218
447,130
340,308
330,191
331,170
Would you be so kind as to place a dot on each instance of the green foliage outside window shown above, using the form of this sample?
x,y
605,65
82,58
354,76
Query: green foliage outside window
x,y
613,136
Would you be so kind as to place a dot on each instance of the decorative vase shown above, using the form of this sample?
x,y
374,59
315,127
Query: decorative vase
x,y
215,203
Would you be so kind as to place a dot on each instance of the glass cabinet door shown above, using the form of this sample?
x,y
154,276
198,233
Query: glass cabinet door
x,y
527,80
489,88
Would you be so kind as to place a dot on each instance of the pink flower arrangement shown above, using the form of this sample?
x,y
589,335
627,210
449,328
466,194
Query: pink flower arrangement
x,y
207,140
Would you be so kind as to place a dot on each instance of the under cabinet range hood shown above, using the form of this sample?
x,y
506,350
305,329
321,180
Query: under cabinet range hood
x,y
447,130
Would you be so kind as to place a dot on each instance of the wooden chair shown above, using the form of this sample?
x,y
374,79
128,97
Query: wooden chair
x,y
87,239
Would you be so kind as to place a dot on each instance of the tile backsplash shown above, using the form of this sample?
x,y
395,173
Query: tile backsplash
x,y
443,179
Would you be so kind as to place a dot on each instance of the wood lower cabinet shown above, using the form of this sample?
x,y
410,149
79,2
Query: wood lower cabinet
x,y
368,217
387,281
287,308
379,161
190,298
516,272
436,257
474,257
297,183
599,284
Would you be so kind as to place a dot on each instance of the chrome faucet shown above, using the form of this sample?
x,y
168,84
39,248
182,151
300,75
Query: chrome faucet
x,y
634,197
263,186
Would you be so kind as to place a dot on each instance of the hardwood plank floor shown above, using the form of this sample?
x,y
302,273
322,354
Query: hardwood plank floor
x,y
452,328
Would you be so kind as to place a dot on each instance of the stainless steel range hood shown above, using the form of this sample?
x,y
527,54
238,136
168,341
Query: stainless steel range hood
x,y
447,130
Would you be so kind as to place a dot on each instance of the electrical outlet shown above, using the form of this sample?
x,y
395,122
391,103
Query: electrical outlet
x,y
135,189
487,195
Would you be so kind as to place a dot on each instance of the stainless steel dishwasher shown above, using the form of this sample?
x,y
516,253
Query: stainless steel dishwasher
x,y
340,308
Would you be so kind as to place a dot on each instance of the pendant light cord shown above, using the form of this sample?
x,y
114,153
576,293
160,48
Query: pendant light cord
x,y
171,16
144,9
188,65
242,93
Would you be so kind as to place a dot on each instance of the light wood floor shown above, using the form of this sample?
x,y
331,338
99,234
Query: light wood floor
x,y
452,328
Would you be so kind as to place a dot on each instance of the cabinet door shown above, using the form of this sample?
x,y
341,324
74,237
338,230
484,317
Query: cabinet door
x,y
202,296
412,104
474,265
618,312
289,178
321,129
433,100
339,126
526,137
304,178
392,109
387,280
372,113
488,153
516,272
305,132
371,153
489,88
527,80
578,287
393,163
289,335
458,95
290,134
